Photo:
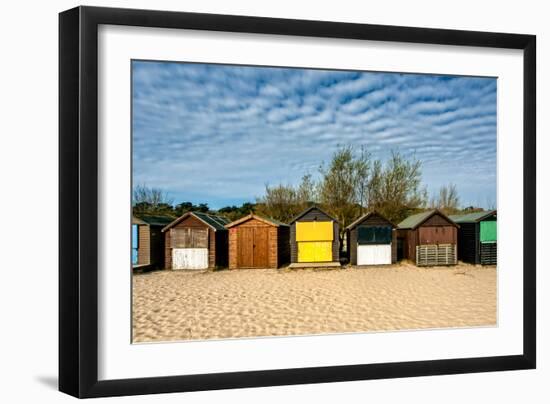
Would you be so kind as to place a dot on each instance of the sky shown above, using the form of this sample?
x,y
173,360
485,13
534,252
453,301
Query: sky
x,y
219,133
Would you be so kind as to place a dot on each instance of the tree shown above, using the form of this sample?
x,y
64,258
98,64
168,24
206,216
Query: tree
x,y
233,212
447,201
284,202
151,201
395,189
343,188
362,173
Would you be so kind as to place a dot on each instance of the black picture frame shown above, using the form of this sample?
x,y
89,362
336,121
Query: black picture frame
x,y
78,196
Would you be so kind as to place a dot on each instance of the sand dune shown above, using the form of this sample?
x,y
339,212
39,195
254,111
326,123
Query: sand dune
x,y
179,305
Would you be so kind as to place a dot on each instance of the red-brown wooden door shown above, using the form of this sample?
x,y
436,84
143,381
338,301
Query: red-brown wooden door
x,y
252,249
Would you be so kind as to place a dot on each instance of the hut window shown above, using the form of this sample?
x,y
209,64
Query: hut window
x,y
374,235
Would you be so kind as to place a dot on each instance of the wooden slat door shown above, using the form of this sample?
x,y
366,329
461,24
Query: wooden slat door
x,y
252,251
245,244
261,236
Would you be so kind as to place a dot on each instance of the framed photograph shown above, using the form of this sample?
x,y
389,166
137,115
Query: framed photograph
x,y
250,201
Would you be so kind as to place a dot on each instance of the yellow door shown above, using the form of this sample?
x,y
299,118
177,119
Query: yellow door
x,y
314,241
314,251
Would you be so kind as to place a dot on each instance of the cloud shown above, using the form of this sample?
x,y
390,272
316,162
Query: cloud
x,y
219,133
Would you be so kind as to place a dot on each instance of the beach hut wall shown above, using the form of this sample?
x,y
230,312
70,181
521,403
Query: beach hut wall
x,y
371,240
477,237
314,237
148,241
428,238
258,242
196,240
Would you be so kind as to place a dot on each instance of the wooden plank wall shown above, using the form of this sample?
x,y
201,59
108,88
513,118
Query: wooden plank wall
x,y
488,254
434,255
352,246
144,246
436,235
192,222
272,243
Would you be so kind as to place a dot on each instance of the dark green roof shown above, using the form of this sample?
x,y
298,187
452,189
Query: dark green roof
x,y
473,217
213,221
413,221
218,222
156,220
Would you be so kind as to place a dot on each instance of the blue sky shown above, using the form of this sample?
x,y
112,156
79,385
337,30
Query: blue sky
x,y
219,133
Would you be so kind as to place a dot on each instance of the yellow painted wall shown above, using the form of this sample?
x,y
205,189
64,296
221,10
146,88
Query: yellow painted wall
x,y
314,231
314,251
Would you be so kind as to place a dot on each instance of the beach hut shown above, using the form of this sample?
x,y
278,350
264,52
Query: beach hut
x,y
371,240
148,241
428,238
196,240
477,237
257,242
314,239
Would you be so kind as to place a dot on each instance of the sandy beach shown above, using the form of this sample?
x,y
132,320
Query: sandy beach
x,y
181,305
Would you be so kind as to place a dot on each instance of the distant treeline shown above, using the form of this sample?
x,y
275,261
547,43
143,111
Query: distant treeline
x,y
352,183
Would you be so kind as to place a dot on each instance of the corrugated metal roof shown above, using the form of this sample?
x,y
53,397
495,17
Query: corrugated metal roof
x,y
218,222
414,220
156,220
472,217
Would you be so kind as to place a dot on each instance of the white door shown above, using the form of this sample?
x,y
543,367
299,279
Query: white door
x,y
190,258
374,254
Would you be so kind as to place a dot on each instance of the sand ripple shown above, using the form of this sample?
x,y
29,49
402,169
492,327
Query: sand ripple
x,y
179,305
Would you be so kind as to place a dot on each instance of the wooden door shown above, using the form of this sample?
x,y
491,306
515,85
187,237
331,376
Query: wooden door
x,y
261,235
252,250
245,247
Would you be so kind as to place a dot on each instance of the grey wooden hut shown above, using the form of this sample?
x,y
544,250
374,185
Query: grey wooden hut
x,y
314,239
372,240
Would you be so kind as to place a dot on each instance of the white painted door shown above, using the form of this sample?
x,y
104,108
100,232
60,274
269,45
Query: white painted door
x,y
190,258
374,254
